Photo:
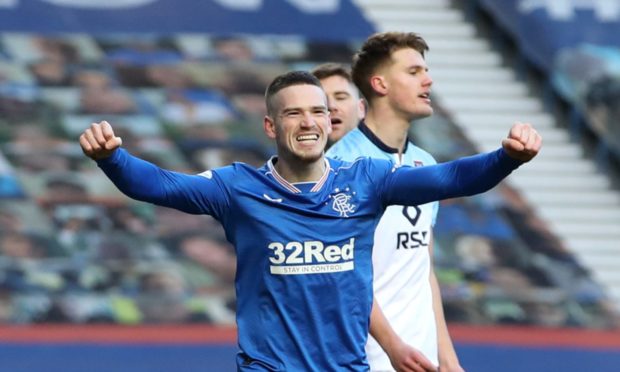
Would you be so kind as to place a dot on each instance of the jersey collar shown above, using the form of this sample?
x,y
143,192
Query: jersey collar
x,y
291,187
377,142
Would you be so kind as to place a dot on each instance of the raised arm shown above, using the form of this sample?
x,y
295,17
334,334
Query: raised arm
x,y
145,181
463,177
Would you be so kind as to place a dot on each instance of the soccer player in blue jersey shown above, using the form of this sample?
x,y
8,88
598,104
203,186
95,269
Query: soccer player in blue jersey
x,y
302,224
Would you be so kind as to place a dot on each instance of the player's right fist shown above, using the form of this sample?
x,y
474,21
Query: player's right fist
x,y
98,141
523,142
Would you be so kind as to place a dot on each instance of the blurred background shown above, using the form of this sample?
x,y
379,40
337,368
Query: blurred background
x,y
92,281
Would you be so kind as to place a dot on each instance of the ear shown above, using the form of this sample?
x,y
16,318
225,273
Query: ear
x,y
361,108
329,124
379,85
269,126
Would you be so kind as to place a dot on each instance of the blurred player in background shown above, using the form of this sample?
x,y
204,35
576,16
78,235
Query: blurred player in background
x,y
302,224
392,74
346,108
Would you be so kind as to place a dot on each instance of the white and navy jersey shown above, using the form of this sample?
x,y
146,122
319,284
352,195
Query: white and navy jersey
x,y
304,276
400,255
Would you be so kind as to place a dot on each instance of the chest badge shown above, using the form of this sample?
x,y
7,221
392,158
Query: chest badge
x,y
341,202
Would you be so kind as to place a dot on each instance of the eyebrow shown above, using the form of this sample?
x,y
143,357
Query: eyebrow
x,y
342,92
321,107
418,67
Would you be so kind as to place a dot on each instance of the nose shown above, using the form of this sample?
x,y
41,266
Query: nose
x,y
331,104
307,120
428,81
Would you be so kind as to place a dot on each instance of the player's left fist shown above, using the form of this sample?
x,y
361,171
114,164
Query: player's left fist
x,y
523,142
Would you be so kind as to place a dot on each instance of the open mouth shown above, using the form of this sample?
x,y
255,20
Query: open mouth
x,y
308,137
425,95
336,121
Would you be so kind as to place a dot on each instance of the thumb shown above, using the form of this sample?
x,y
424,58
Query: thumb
x,y
113,143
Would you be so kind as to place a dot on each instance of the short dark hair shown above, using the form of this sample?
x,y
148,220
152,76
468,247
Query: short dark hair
x,y
376,51
325,70
286,80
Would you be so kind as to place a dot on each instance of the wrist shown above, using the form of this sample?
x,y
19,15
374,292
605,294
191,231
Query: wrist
x,y
110,159
449,363
391,344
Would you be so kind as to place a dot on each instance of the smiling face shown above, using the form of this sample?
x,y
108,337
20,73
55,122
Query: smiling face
x,y
407,84
345,106
299,123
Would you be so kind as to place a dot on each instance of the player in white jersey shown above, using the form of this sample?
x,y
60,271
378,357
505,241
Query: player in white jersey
x,y
346,110
392,74
401,259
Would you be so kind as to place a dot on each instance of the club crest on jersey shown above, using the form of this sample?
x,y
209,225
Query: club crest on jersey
x,y
341,202
418,163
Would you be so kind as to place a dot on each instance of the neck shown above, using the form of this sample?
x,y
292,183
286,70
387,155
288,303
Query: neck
x,y
390,127
295,170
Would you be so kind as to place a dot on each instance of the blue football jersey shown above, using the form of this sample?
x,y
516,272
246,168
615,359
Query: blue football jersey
x,y
304,276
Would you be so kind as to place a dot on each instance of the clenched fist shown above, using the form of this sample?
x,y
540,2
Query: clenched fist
x,y
523,142
98,141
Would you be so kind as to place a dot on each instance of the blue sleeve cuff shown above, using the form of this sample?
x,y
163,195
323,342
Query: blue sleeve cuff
x,y
112,159
509,160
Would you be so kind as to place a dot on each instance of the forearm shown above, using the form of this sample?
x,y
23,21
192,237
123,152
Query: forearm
x,y
448,360
447,353
403,357
145,181
380,328
135,177
463,177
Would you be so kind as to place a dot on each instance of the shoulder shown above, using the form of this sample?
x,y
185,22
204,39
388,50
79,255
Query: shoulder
x,y
421,154
231,172
347,145
361,165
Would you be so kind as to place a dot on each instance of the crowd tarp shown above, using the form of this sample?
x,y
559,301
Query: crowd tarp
x,y
330,20
543,28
